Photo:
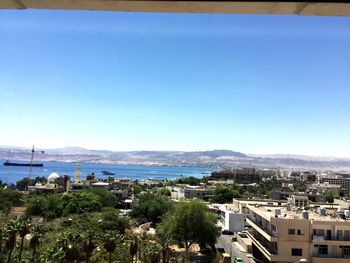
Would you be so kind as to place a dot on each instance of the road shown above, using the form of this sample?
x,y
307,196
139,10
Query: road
x,y
225,241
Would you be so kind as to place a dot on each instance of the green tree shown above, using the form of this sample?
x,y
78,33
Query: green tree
x,y
9,198
23,231
52,255
133,248
151,208
23,184
113,221
189,180
81,202
53,208
2,238
299,186
329,197
69,243
37,232
192,222
164,191
136,189
224,195
12,229
37,205
107,199
164,239
89,243
110,241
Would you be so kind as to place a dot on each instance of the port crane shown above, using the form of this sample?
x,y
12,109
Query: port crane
x,y
31,162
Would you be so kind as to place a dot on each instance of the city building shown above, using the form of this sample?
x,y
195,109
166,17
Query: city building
x,y
287,234
326,187
229,218
335,179
55,184
308,176
311,196
239,175
190,192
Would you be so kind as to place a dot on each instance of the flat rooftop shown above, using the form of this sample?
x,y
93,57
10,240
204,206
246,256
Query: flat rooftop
x,y
268,212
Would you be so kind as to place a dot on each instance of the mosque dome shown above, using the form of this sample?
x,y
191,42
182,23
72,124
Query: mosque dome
x,y
52,177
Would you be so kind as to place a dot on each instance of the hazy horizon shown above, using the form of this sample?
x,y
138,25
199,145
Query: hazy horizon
x,y
170,150
189,82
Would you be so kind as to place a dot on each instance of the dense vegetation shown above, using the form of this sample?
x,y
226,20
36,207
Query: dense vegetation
x,y
53,206
191,222
86,226
151,208
9,198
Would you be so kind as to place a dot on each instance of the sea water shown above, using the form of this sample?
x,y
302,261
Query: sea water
x,y
11,174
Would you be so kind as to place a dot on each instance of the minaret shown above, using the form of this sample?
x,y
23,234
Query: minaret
x,y
77,173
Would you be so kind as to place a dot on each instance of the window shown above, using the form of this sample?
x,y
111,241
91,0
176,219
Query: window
x,y
340,234
319,232
297,252
291,231
301,232
346,250
322,249
346,235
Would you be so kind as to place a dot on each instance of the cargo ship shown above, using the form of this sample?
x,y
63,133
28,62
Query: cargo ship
x,y
7,163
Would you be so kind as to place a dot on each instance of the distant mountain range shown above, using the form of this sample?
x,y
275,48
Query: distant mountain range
x,y
212,159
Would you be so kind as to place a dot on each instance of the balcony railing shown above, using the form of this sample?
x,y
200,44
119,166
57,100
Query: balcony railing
x,y
269,254
258,223
331,238
331,255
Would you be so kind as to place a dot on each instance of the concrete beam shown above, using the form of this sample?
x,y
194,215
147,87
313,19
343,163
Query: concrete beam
x,y
321,8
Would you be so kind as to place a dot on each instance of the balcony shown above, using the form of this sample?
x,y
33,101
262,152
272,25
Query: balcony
x,y
331,256
263,230
268,254
332,240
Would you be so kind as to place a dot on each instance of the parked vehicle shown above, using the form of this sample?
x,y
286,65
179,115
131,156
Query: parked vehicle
x,y
226,258
227,232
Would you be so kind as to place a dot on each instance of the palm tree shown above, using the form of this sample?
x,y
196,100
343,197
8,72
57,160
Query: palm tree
x,y
142,247
133,248
110,244
2,237
164,240
89,245
153,253
37,233
69,244
23,231
11,229
52,255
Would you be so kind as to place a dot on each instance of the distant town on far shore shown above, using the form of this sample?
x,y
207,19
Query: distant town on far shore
x,y
210,159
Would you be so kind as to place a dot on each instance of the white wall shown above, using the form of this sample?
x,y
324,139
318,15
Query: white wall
x,y
234,222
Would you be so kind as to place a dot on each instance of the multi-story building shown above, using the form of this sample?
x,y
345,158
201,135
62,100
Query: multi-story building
x,y
325,187
283,234
190,192
229,218
336,179
240,175
313,197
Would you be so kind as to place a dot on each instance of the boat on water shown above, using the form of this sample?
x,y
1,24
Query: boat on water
x,y
31,164
8,163
107,173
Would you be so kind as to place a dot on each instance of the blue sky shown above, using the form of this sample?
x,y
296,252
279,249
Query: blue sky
x,y
146,81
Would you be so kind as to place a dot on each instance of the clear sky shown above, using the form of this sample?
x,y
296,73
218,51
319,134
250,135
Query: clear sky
x,y
146,81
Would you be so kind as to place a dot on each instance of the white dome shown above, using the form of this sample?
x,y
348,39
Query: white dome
x,y
52,177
